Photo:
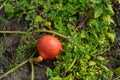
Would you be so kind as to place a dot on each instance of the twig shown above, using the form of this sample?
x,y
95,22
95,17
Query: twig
x,y
82,23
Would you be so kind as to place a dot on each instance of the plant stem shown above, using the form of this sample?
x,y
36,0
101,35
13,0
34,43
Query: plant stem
x,y
48,31
12,32
32,67
73,63
115,59
37,31
3,4
37,59
117,78
13,69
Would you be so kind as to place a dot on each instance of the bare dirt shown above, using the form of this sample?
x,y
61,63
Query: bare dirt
x,y
24,73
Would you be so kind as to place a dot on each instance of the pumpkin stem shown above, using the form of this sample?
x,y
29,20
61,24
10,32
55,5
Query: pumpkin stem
x,y
36,31
37,59
48,31
32,67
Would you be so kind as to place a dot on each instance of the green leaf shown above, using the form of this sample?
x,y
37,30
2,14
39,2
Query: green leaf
x,y
91,63
9,8
110,8
98,11
108,19
69,77
117,71
38,19
111,36
100,58
96,1
82,35
48,72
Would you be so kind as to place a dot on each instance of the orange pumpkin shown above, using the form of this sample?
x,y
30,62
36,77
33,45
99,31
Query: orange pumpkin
x,y
49,47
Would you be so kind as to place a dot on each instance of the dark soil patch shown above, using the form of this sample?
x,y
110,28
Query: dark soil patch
x,y
24,73
114,54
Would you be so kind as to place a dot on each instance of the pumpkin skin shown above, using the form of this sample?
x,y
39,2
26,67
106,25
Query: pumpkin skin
x,y
49,47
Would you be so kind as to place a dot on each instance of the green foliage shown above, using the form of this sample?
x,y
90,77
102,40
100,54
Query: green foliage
x,y
9,9
82,51
117,71
87,45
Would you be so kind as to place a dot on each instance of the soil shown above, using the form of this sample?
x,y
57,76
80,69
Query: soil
x,y
114,54
24,73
